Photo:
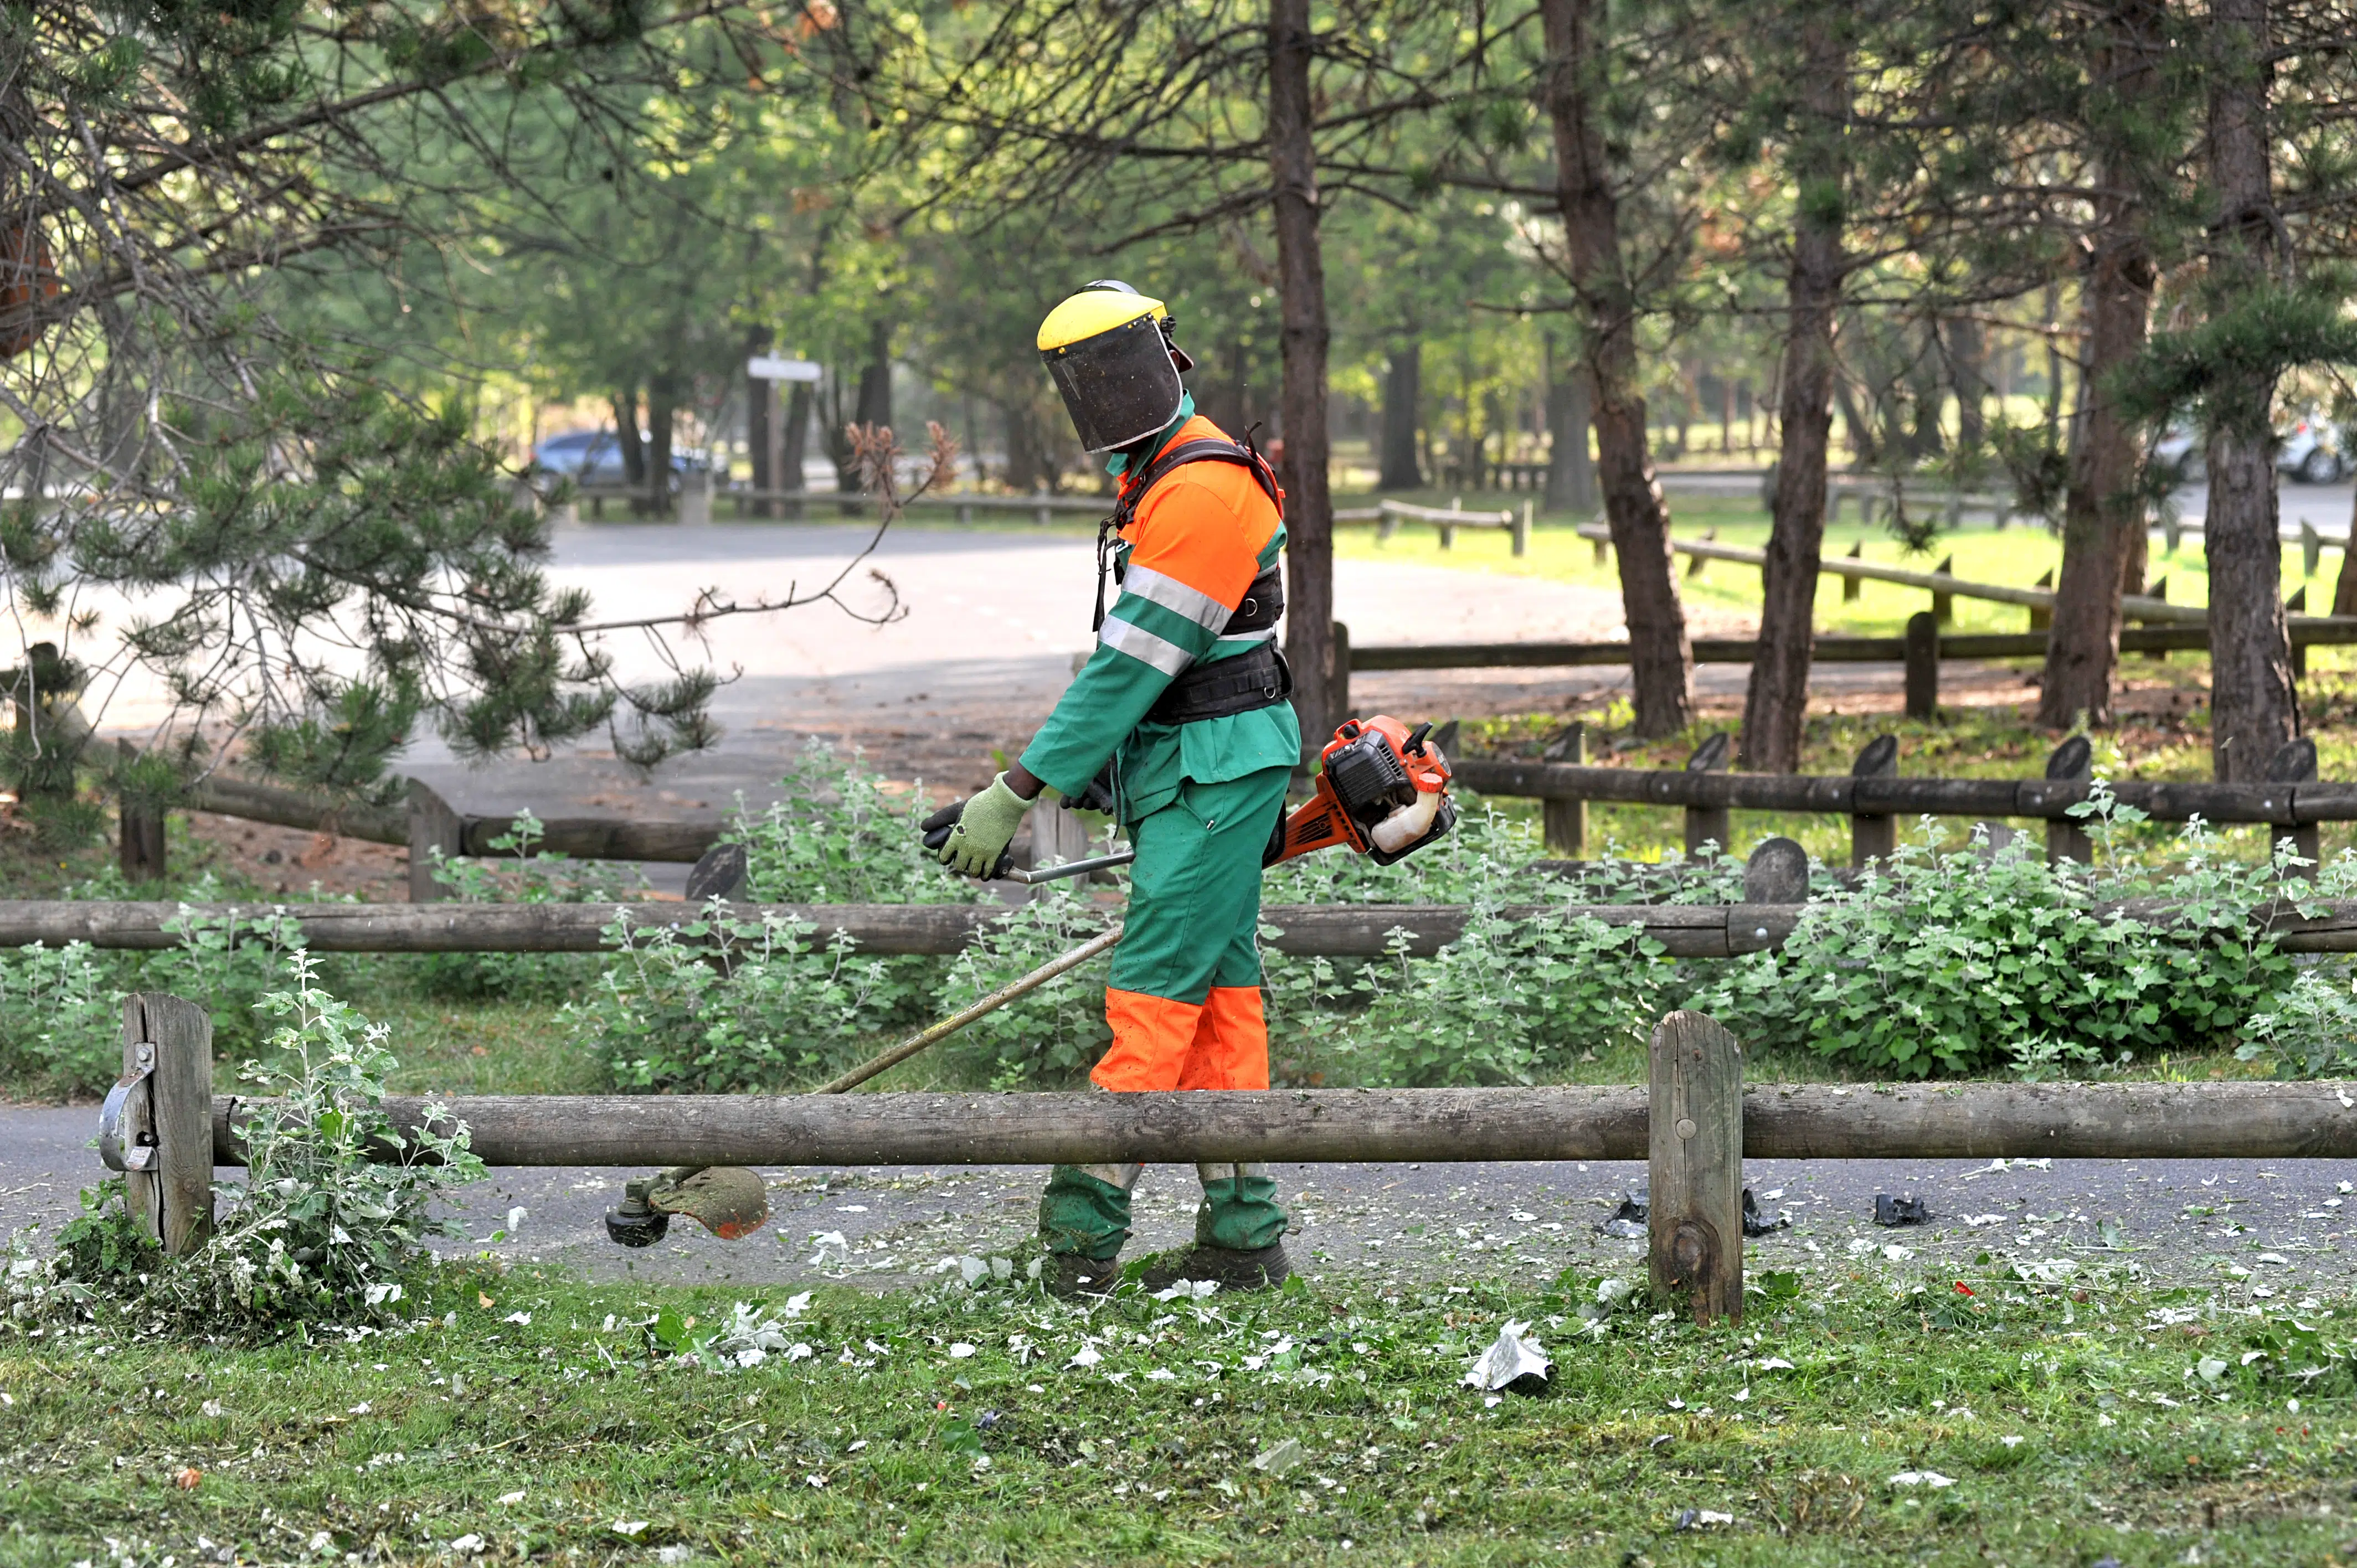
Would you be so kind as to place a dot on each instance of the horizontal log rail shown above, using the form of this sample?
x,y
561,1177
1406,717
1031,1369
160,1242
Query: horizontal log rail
x,y
2135,606
2307,631
1893,796
229,796
1966,1121
1331,930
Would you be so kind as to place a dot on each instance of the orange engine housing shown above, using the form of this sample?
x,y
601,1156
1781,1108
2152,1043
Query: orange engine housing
x,y
1382,791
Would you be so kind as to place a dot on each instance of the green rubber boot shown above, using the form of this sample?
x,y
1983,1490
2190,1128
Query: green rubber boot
x,y
1083,1221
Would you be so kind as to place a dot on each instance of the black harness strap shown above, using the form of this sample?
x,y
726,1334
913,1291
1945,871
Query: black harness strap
x,y
1205,449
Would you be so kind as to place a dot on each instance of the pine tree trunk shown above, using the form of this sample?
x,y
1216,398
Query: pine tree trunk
x,y
875,379
2344,587
2252,706
1776,703
2103,519
792,440
1966,355
626,431
1301,281
1571,476
662,409
1661,658
1402,397
762,428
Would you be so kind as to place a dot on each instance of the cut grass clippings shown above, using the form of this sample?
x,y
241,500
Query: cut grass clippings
x,y
522,1416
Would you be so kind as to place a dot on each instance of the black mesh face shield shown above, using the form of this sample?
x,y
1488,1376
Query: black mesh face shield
x,y
1119,386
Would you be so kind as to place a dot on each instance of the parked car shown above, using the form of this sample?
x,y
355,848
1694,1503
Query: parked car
x,y
595,457
2313,451
2180,448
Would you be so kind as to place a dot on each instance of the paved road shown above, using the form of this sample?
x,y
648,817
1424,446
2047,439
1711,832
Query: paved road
x,y
2257,1231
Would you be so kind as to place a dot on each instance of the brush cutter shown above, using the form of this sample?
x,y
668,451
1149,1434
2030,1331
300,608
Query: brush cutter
x,y
1382,791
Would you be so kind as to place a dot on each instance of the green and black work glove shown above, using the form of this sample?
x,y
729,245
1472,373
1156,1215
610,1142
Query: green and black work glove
x,y
970,836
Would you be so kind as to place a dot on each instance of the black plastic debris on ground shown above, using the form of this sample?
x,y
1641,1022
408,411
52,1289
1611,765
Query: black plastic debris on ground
x,y
1754,1223
1890,1210
1628,1222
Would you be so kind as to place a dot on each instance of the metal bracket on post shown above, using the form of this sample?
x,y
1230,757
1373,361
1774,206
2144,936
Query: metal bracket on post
x,y
126,1124
1695,1117
157,1126
2065,838
1874,835
1709,825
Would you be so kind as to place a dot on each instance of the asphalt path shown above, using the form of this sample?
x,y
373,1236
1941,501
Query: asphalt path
x,y
2251,1230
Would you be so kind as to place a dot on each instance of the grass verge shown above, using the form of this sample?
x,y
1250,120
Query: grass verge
x,y
527,1417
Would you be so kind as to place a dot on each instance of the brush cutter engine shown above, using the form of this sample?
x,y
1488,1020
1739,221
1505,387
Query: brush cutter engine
x,y
1384,793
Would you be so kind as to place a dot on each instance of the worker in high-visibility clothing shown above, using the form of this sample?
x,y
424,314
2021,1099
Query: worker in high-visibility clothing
x,y
1185,696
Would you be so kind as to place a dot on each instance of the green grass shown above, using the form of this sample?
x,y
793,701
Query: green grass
x,y
539,1438
2015,557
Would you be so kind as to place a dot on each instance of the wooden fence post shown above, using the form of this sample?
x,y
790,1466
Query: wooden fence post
x,y
433,825
1338,679
164,1119
1923,665
1853,585
140,838
1522,530
2066,838
2294,763
1776,872
1709,825
1566,820
1944,606
1695,1147
2042,619
1874,837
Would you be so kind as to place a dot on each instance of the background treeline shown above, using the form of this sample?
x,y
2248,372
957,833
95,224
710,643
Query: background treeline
x,y
283,293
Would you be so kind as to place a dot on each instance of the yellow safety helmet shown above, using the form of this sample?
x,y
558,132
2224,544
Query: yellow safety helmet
x,y
1110,352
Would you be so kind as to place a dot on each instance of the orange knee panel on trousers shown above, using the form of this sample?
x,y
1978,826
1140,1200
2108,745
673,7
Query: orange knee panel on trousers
x,y
1158,1044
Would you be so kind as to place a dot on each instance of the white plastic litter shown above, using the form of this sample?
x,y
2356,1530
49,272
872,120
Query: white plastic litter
x,y
1276,1461
1932,1478
1188,1290
1510,1356
833,1250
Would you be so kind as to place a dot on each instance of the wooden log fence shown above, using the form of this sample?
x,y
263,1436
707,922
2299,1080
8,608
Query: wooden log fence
x,y
1941,584
1388,515
1329,930
1873,795
1921,651
1694,1124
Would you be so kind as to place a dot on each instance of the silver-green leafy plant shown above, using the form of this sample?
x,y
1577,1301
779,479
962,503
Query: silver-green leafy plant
x,y
332,1221
1940,963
